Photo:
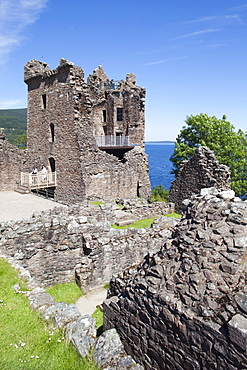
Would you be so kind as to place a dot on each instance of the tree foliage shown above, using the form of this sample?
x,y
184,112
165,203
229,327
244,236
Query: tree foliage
x,y
229,146
21,141
159,194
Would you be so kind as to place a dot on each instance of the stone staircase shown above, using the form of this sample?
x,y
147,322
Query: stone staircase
x,y
22,189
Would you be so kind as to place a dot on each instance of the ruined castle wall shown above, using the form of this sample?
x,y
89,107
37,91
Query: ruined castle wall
x,y
12,162
201,171
186,306
65,114
59,244
53,107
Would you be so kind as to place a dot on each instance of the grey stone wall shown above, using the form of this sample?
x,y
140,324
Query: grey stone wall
x,y
59,244
201,171
185,307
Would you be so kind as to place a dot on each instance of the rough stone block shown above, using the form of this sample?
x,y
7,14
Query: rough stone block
x,y
85,325
64,317
108,346
237,328
83,343
125,222
41,300
51,310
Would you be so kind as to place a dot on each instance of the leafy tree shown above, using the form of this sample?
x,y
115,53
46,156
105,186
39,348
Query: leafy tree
x,y
159,194
229,146
21,141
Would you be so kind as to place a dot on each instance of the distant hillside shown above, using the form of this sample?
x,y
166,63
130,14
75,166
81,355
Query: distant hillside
x,y
13,122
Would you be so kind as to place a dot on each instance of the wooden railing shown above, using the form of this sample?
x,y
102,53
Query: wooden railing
x,y
39,180
112,140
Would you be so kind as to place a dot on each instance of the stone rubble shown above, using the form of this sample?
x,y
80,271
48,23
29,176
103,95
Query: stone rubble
x,y
185,306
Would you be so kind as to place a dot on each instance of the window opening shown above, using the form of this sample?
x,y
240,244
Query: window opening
x,y
104,115
52,164
52,134
119,114
44,101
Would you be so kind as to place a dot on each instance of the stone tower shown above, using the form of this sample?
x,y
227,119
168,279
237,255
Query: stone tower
x,y
91,133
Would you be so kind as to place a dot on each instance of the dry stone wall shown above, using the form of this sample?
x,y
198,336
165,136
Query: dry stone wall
x,y
201,171
186,306
59,244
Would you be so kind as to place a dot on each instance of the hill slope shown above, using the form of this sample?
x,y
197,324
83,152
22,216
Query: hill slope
x,y
13,122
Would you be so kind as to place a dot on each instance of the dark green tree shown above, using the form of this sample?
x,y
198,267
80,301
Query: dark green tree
x,y
219,135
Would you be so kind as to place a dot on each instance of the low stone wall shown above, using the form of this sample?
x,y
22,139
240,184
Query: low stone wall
x,y
186,306
59,244
80,329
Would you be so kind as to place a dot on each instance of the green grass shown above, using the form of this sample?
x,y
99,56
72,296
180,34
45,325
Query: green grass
x,y
98,316
174,214
137,225
97,203
67,292
147,222
27,341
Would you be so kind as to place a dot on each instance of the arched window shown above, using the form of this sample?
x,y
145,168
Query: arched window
x,y
52,164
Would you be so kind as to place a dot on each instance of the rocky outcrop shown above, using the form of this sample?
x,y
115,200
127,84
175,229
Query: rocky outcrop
x,y
185,307
202,170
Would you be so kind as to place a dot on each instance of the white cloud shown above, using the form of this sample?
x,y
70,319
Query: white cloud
x,y
15,17
164,61
196,33
7,104
219,19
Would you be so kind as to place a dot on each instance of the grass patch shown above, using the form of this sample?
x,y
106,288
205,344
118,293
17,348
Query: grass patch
x,y
147,222
106,286
27,341
97,203
67,292
174,214
98,316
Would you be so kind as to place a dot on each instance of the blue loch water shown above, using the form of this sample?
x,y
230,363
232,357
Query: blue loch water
x,y
160,166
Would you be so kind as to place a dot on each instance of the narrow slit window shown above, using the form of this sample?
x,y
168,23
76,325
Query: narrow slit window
x,y
119,114
104,115
44,101
52,134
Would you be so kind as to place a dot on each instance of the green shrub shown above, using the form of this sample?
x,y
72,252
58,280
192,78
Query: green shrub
x,y
159,194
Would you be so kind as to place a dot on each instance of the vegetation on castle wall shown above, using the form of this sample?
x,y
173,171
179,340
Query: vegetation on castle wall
x,y
229,146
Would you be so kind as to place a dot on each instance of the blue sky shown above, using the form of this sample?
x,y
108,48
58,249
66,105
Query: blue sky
x,y
191,55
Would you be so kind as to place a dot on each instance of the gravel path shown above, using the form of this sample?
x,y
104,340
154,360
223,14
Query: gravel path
x,y
89,302
15,206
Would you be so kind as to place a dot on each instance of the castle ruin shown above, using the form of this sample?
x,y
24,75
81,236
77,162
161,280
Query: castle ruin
x,y
89,134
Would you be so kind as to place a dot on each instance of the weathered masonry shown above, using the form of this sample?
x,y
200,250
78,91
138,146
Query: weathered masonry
x,y
91,133
185,307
